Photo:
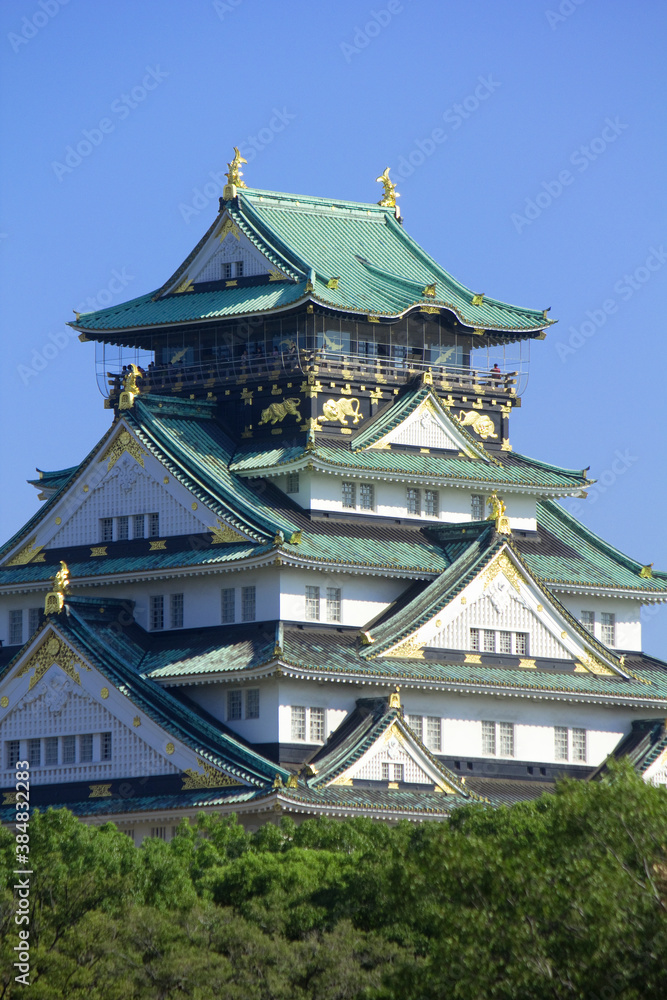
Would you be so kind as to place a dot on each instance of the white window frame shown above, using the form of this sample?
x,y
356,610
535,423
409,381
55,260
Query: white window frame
x,y
334,604
227,602
432,500
351,489
252,703
366,502
156,612
234,705
477,507
249,603
413,501
608,628
292,482
312,604
176,610
495,736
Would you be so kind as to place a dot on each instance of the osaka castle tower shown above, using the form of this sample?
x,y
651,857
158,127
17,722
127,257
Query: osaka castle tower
x,y
304,572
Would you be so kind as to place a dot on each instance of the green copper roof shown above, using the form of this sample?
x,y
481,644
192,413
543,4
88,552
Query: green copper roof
x,y
380,270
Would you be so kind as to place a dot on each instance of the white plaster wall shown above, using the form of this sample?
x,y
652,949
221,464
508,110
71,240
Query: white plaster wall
x,y
213,698
628,623
362,597
337,701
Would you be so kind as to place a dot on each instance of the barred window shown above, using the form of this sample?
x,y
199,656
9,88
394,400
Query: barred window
x,y
333,604
51,750
106,529
138,526
433,733
234,706
69,749
123,528
474,638
252,703
105,746
248,595
489,641
35,618
34,753
392,772
317,725
239,268
561,750
159,831
293,482
86,748
414,501
579,745
521,644
415,722
13,752
156,617
15,628
505,642
506,739
227,605
366,496
431,503
588,621
608,633
489,738
477,507
349,496
227,269
313,604
298,722
176,610
153,525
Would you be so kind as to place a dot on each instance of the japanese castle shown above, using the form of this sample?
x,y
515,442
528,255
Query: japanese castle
x,y
304,572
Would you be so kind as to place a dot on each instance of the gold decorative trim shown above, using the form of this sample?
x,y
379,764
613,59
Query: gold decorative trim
x,y
136,721
275,413
429,291
478,299
124,443
340,409
170,748
411,648
332,283
506,446
52,650
395,698
388,199
235,173
158,545
503,564
4,701
432,310
104,693
8,798
98,550
194,505
228,226
211,777
185,286
594,665
472,658
481,423
223,533
100,791
528,663
26,555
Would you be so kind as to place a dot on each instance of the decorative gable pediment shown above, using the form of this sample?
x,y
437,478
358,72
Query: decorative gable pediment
x,y
430,425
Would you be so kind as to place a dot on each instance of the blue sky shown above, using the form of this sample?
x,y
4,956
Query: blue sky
x,y
528,142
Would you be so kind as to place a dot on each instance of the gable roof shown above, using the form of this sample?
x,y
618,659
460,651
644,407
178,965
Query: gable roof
x,y
377,270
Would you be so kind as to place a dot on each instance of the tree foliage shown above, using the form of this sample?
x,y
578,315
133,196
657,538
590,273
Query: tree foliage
x,y
562,897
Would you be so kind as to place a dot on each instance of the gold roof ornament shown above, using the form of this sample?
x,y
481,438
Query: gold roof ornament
x,y
388,199
498,514
234,176
478,299
395,698
130,388
55,599
646,572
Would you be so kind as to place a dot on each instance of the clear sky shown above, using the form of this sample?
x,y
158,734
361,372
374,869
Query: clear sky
x,y
528,139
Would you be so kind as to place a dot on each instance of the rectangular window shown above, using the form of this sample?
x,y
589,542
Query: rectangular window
x,y
474,638
123,528
252,703
234,706
415,722
51,750
349,496
489,641
489,738
239,268
138,526
433,733
298,722
521,644
392,772
35,616
477,507
431,503
176,610
414,501
333,604
34,753
159,831
69,749
13,752
366,496
561,751
228,605
106,529
227,270
579,746
105,746
505,642
312,604
608,633
153,525
15,628
156,612
86,748
588,621
248,604
506,739
293,482
317,725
